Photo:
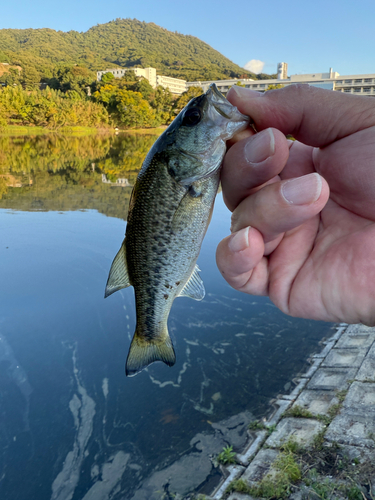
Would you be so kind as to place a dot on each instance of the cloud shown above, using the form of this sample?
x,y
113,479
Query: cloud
x,y
255,66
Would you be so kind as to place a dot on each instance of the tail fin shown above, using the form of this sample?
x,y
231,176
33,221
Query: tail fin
x,y
144,351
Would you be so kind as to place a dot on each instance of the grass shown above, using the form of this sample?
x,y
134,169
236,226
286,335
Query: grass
x,y
277,484
256,425
227,456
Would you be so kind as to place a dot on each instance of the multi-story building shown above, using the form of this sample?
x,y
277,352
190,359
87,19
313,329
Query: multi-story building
x,y
149,73
175,85
222,85
353,84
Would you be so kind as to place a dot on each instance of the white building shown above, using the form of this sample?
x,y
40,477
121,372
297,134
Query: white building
x,y
282,71
222,85
175,85
352,84
148,73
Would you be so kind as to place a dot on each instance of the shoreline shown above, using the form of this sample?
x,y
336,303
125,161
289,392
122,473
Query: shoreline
x,y
28,130
328,417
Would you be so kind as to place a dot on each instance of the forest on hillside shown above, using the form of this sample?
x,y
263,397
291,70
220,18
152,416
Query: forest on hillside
x,y
119,43
48,78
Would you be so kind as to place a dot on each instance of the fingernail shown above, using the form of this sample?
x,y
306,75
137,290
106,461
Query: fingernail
x,y
302,190
239,241
244,93
260,146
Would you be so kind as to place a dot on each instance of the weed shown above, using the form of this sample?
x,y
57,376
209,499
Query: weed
x,y
256,425
227,456
261,426
239,486
298,412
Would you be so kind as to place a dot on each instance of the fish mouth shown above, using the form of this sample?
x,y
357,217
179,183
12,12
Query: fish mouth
x,y
223,106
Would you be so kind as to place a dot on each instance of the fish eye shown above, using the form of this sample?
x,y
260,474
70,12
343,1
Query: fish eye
x,y
192,117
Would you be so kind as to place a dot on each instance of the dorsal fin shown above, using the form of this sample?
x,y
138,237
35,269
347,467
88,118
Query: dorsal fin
x,y
118,275
194,287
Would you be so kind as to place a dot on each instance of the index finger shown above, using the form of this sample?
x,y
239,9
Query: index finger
x,y
314,116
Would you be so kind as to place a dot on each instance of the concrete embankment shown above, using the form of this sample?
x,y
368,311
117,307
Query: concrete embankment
x,y
320,441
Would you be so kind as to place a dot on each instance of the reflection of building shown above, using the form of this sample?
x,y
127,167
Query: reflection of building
x,y
16,182
119,182
175,85
352,84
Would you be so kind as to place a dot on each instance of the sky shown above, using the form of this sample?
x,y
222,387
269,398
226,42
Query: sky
x,y
311,36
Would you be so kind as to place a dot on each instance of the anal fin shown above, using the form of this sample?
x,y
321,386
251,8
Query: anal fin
x,y
194,287
118,275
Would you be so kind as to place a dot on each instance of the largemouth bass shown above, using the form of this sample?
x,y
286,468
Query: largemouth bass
x,y
169,212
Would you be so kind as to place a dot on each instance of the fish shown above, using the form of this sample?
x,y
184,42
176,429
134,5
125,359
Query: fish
x,y
170,209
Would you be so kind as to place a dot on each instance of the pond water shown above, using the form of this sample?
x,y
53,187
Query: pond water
x,y
72,426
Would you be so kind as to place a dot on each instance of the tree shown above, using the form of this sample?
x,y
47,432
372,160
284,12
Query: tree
x,y
162,103
107,77
187,96
144,87
272,86
132,110
30,77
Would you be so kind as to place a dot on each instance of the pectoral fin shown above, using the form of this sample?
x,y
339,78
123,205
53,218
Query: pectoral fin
x,y
118,275
194,287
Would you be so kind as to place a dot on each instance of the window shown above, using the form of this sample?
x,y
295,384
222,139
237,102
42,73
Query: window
x,y
368,80
357,89
338,81
358,81
366,89
347,90
348,81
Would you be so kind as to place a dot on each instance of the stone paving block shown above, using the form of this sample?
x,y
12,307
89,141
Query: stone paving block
x,y
367,369
353,427
359,328
235,471
302,430
260,466
362,454
340,358
359,340
361,396
254,445
330,379
316,402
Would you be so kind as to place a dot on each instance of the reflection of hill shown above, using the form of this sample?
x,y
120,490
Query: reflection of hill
x,y
63,173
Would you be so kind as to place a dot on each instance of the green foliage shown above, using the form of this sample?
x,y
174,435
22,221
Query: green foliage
x,y
185,97
133,111
107,77
298,412
49,108
123,42
227,456
274,87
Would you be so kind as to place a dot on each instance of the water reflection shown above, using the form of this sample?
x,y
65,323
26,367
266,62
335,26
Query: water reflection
x,y
71,425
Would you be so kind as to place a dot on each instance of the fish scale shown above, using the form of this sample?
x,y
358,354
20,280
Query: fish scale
x,y
169,212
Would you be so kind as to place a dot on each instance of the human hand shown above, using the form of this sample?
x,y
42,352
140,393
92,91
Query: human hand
x,y
311,241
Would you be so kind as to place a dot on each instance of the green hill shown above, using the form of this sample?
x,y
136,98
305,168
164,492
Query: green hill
x,y
123,42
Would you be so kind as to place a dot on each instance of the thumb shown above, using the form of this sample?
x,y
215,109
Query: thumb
x,y
314,116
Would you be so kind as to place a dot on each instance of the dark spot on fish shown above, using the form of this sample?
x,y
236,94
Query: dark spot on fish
x,y
178,282
166,296
194,192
